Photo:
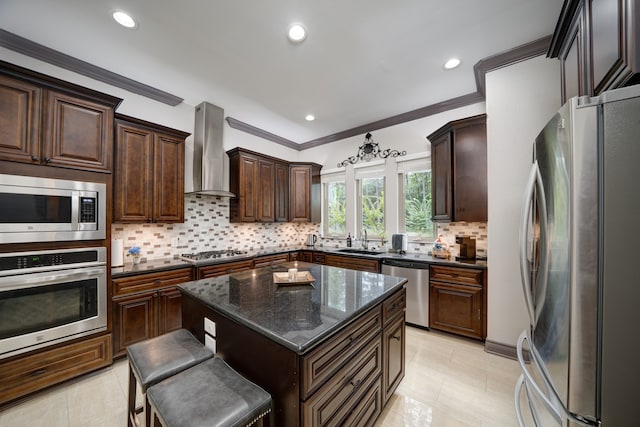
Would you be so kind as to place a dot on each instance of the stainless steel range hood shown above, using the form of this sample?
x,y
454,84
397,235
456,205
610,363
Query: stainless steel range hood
x,y
210,162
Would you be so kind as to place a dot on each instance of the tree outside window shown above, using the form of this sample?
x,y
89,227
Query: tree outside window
x,y
336,208
372,199
417,203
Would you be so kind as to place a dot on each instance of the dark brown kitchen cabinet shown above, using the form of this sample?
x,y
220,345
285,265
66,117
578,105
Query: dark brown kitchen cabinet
x,y
267,260
304,192
207,271
268,189
281,192
353,263
393,355
260,184
149,172
393,343
308,256
54,123
457,301
459,171
25,374
145,306
596,42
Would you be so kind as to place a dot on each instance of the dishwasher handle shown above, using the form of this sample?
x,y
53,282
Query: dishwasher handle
x,y
418,265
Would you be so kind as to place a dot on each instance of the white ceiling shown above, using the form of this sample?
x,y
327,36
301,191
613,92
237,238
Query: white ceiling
x,y
363,60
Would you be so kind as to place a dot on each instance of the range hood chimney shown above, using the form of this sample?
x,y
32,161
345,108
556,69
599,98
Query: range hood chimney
x,y
210,162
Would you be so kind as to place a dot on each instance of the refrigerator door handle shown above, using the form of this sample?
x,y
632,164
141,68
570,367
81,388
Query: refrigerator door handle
x,y
534,191
518,392
525,271
530,381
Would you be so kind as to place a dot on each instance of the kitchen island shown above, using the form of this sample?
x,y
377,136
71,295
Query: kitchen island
x,y
329,352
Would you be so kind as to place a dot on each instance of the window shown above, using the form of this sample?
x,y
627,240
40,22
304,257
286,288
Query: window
x,y
381,196
372,205
336,205
415,204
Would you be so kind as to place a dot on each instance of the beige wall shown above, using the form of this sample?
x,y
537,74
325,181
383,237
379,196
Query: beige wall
x,y
520,100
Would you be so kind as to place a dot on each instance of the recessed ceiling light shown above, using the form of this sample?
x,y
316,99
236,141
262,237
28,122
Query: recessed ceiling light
x,y
452,63
124,19
310,117
296,33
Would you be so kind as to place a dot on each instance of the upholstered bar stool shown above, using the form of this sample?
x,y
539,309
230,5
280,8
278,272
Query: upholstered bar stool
x,y
156,359
209,394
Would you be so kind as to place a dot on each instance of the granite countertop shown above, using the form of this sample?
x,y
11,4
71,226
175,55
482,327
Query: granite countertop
x,y
152,266
296,316
130,269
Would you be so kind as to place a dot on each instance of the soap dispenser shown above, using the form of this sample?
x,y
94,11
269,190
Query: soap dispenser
x,y
349,240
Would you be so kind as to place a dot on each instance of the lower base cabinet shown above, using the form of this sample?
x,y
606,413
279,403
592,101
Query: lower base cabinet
x,y
145,306
457,301
393,350
32,372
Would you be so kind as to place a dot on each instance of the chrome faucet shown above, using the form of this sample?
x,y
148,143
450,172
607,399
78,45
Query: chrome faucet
x,y
365,241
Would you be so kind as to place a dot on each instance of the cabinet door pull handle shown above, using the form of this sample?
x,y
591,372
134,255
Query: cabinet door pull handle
x,y
34,158
396,337
38,372
47,160
356,384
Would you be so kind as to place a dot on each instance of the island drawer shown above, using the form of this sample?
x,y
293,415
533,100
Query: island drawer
x,y
463,276
151,281
394,305
338,398
322,363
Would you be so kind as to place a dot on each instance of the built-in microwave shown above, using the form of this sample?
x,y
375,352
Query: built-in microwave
x,y
36,209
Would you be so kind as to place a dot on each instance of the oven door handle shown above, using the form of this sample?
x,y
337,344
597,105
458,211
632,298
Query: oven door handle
x,y
49,278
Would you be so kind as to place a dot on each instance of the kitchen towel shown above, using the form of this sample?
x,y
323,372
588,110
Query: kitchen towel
x,y
117,252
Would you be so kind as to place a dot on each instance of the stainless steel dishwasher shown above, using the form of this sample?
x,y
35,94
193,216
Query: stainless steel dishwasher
x,y
417,275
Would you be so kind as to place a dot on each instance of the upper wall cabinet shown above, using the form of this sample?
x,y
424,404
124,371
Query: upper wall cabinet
x,y
597,44
459,170
149,172
268,189
49,122
304,192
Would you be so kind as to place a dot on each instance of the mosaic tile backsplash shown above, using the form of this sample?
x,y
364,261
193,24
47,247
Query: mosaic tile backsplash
x,y
207,228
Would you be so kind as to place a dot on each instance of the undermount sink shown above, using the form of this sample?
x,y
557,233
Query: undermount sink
x,y
359,251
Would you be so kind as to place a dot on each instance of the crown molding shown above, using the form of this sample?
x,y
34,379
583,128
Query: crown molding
x,y
481,68
35,50
261,133
509,57
520,53
429,110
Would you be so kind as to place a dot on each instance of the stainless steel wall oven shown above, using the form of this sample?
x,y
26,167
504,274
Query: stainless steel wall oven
x,y
51,296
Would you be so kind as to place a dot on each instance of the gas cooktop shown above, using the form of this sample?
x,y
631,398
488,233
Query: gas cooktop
x,y
209,255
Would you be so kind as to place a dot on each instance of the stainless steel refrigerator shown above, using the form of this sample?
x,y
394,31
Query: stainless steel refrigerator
x,y
580,267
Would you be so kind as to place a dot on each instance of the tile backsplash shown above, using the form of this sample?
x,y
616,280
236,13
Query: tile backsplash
x,y
449,231
207,227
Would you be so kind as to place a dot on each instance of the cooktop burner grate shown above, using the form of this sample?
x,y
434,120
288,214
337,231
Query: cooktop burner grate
x,y
199,256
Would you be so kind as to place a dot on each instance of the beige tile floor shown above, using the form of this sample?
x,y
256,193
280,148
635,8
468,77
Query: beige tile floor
x,y
449,381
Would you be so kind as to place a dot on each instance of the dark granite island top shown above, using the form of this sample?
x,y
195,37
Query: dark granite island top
x,y
315,347
296,316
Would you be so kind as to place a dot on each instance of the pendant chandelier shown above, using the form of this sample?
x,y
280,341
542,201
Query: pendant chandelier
x,y
370,150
